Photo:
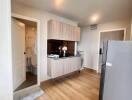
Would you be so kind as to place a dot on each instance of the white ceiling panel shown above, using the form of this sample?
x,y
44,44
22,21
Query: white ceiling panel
x,y
84,10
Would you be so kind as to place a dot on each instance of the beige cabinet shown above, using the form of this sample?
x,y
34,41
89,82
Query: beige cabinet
x,y
76,64
77,32
67,66
55,67
54,30
61,31
62,67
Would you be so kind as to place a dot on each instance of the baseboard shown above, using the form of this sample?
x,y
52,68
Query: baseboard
x,y
63,76
60,77
82,68
90,69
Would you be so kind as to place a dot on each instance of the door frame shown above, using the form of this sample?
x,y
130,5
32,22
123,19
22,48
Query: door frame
x,y
110,30
38,48
131,31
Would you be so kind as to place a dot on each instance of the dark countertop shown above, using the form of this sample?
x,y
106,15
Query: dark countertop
x,y
64,57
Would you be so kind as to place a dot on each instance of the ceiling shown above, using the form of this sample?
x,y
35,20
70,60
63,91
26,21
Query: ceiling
x,y
86,12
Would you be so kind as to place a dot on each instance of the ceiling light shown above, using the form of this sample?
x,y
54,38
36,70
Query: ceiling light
x,y
94,18
58,3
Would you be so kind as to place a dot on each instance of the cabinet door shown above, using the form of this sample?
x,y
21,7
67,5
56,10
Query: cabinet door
x,y
67,32
54,30
65,28
72,33
78,63
67,65
75,64
61,33
57,68
76,34
49,67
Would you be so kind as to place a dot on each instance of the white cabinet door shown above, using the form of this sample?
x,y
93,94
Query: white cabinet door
x,y
76,34
57,68
78,63
49,66
54,30
75,64
67,65
65,36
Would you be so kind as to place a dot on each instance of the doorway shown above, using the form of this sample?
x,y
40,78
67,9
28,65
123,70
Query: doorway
x,y
118,35
25,52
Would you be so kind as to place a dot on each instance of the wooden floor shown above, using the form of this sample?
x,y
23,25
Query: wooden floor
x,y
83,86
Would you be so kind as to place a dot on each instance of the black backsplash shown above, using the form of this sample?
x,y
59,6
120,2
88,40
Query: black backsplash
x,y
53,47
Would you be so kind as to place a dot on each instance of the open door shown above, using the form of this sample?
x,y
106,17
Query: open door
x,y
18,45
104,37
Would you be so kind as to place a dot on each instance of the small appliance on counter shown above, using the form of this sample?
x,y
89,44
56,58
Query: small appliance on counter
x,y
53,56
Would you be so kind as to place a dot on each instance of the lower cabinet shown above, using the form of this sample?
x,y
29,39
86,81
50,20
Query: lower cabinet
x,y
55,67
76,64
64,66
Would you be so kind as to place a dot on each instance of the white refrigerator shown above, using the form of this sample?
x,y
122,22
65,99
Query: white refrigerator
x,y
116,72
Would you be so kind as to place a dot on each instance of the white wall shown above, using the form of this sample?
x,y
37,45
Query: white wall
x,y
90,41
6,87
43,17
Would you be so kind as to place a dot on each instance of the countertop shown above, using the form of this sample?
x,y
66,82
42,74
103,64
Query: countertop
x,y
64,57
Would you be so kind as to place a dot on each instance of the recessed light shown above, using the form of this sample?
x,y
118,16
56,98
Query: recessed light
x,y
94,18
58,3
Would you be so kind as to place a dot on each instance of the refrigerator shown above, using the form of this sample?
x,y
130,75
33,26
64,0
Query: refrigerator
x,y
116,71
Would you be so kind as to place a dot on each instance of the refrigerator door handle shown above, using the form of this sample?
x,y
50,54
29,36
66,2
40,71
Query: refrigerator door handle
x,y
108,64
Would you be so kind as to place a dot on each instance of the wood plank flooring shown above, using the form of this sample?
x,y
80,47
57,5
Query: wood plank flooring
x,y
83,86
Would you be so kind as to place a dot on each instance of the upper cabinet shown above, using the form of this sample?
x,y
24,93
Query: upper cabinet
x,y
61,31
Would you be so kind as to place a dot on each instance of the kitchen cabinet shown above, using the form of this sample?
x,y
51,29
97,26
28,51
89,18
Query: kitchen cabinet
x,y
55,68
76,34
67,66
60,67
61,31
54,30
76,64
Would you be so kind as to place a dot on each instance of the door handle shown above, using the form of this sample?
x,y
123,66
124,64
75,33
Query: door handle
x,y
108,64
